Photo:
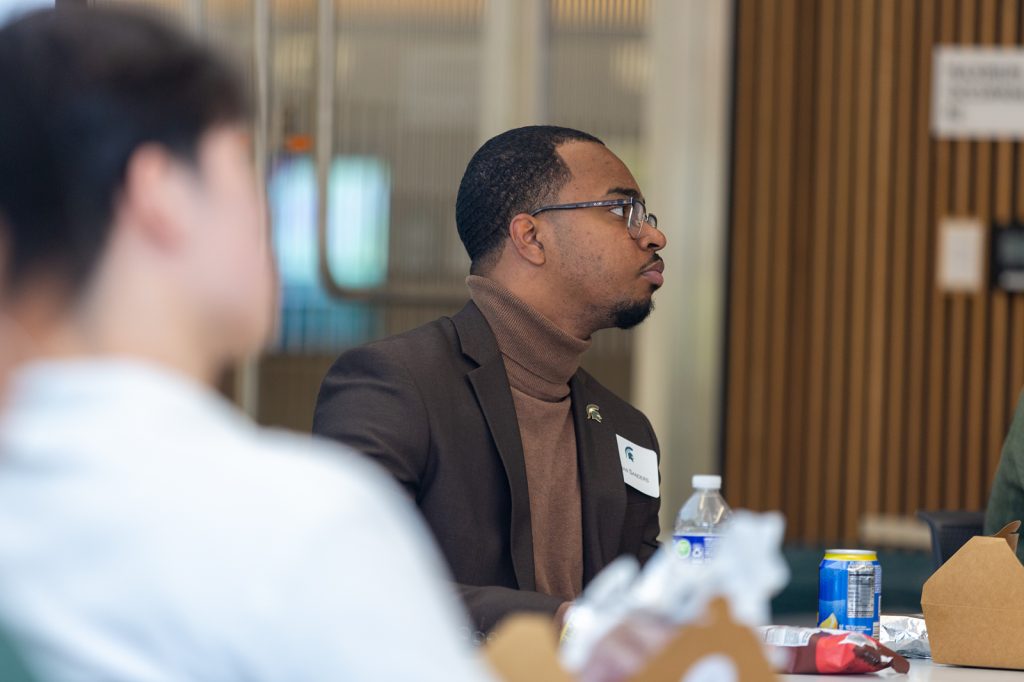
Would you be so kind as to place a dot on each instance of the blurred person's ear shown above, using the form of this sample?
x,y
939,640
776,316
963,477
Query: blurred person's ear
x,y
155,196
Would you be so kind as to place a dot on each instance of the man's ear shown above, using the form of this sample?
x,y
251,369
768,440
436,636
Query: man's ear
x,y
525,239
154,195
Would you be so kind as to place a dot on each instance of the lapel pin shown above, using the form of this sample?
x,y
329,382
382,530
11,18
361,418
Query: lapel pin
x,y
594,412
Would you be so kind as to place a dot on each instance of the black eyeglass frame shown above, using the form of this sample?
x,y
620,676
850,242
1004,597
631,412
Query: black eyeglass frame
x,y
644,219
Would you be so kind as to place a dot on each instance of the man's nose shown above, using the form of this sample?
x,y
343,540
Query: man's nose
x,y
652,239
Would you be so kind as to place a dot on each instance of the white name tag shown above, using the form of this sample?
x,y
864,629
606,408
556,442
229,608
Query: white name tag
x,y
639,467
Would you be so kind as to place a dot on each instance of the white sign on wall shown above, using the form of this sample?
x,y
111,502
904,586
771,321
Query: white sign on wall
x,y
978,92
961,264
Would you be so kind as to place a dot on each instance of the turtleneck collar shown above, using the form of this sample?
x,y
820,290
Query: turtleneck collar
x,y
540,358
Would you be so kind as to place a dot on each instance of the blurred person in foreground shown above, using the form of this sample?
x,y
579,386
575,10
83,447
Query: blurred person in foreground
x,y
148,530
1006,501
531,474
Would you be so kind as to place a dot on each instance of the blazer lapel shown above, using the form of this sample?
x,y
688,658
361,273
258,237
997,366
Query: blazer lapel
x,y
490,383
601,487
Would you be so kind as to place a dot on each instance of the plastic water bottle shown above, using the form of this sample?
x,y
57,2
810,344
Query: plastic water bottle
x,y
700,521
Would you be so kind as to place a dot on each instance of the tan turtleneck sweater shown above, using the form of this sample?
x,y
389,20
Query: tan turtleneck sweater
x,y
540,359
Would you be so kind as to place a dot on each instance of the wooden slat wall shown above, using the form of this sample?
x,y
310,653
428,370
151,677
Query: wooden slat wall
x,y
854,385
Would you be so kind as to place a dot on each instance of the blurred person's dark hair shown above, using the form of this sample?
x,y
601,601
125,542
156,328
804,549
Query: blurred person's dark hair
x,y
514,172
81,89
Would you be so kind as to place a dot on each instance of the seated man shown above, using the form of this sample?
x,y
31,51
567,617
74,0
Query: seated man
x,y
531,474
1006,502
148,530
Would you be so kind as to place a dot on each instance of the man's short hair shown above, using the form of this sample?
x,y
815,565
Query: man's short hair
x,y
515,172
80,90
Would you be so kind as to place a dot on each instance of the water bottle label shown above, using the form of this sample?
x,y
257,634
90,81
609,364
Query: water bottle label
x,y
696,548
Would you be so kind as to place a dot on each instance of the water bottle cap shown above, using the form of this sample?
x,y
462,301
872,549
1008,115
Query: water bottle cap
x,y
707,482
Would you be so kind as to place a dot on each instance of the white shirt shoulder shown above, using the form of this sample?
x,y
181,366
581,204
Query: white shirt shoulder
x,y
148,531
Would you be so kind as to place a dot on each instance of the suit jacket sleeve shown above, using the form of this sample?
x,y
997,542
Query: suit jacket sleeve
x,y
369,402
649,545
1006,503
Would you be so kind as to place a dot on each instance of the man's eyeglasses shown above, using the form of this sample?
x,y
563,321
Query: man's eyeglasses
x,y
632,209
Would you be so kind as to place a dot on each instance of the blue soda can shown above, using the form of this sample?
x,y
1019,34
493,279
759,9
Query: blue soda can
x,y
850,591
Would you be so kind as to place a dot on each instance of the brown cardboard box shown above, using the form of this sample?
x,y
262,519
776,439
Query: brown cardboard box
x,y
523,650
974,604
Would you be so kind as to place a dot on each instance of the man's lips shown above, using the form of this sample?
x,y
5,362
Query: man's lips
x,y
653,273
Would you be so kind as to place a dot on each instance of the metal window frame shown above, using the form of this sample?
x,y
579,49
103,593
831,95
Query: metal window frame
x,y
414,293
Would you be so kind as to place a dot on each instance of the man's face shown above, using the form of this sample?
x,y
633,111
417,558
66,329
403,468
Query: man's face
x,y
230,271
597,262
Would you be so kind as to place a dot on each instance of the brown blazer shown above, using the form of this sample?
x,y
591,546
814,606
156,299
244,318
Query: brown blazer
x,y
434,407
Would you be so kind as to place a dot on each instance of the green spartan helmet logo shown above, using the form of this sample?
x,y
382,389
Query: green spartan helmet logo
x,y
629,453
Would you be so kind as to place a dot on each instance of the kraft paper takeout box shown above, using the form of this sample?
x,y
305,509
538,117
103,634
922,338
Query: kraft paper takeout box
x,y
524,650
974,604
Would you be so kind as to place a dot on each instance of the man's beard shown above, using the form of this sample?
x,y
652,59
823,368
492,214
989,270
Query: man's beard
x,y
629,314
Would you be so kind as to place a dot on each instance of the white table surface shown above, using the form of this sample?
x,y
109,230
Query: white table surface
x,y
923,671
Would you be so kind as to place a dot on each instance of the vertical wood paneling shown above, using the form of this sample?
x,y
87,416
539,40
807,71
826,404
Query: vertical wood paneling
x,y
925,155
1002,211
737,369
854,384
781,246
951,473
879,255
974,495
824,137
837,348
864,39
935,440
896,388
761,239
804,143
